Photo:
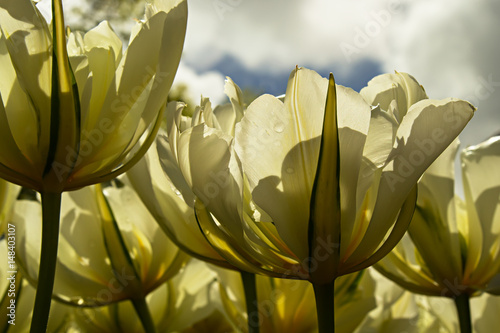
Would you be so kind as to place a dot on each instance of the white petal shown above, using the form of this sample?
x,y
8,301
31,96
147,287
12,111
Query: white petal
x,y
401,87
279,145
426,130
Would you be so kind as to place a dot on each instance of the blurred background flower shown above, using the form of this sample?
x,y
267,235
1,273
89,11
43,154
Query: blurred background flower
x,y
288,305
111,248
452,244
452,247
185,303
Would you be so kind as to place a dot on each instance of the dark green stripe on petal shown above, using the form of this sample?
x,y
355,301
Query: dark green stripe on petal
x,y
65,109
324,217
119,255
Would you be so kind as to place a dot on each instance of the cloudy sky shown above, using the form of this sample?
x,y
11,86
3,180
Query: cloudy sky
x,y
451,47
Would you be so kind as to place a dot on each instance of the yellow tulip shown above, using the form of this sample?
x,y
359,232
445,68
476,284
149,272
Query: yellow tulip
x,y
288,305
158,180
339,195
74,111
111,248
275,156
219,188
179,305
70,122
453,244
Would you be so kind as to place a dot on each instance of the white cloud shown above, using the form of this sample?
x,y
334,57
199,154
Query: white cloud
x,y
209,84
451,47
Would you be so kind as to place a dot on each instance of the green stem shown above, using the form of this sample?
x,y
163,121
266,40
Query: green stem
x,y
142,309
51,209
324,295
251,301
463,311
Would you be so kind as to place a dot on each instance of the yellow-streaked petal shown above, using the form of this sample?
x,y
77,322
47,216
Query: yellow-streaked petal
x,y
10,154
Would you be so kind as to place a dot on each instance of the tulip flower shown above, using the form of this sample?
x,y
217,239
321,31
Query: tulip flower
x,y
77,112
159,182
178,305
111,248
438,313
397,310
335,177
452,249
77,126
287,305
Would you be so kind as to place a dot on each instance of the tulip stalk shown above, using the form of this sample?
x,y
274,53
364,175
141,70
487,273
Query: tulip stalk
x,y
51,207
324,295
250,288
142,310
462,303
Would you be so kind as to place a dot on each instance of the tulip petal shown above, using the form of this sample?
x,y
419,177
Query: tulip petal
x,y
354,116
434,227
397,232
426,130
121,259
155,256
400,87
10,154
103,50
482,197
217,182
224,243
212,171
229,115
279,146
29,45
22,116
143,79
170,199
106,169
